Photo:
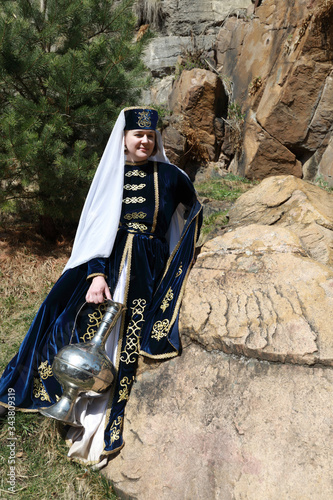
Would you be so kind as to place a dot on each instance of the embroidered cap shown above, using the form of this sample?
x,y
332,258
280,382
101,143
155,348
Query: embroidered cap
x,y
141,118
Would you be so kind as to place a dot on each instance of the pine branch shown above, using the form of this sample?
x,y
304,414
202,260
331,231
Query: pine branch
x,y
104,30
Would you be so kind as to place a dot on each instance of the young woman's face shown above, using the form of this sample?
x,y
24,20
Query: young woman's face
x,y
140,144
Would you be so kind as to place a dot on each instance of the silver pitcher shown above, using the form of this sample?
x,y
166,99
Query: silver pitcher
x,y
83,367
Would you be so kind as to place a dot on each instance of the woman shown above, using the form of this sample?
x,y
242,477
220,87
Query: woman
x,y
131,245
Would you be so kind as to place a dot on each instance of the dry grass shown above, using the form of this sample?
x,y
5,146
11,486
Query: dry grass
x,y
28,269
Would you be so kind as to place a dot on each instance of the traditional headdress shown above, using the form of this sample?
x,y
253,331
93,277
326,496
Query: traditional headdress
x,y
140,118
100,215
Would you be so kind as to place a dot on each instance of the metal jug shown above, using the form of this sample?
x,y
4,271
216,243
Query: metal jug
x,y
83,367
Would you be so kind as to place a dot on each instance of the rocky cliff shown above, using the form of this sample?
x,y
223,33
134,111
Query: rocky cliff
x,y
274,60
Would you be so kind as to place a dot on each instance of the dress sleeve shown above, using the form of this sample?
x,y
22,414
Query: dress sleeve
x,y
96,267
185,191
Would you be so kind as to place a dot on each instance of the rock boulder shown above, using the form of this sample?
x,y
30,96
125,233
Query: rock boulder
x,y
196,100
212,426
245,413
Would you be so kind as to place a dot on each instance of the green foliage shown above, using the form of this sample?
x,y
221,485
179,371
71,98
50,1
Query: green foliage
x,y
320,181
235,112
229,187
235,124
66,69
216,219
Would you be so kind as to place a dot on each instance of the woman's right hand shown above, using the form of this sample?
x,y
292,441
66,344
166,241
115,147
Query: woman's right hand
x,y
98,291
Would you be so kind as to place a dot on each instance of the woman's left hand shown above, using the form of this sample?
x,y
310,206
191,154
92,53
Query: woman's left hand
x,y
98,291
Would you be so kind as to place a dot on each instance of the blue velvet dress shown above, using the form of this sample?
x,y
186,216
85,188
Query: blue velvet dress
x,y
154,286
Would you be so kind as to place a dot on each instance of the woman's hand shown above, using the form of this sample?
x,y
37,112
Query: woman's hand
x,y
98,291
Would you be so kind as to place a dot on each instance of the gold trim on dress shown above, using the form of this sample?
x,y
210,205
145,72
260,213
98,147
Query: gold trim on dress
x,y
182,289
45,370
131,349
135,199
124,393
178,245
134,187
135,215
180,270
39,391
116,429
137,225
127,253
95,319
93,275
160,329
168,298
156,197
136,173
167,355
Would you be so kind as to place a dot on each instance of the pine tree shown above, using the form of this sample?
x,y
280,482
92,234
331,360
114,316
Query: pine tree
x,y
66,69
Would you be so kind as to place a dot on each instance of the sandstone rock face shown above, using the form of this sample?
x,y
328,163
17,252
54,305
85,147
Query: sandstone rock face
x,y
255,292
289,202
246,412
263,153
325,164
280,66
212,426
197,98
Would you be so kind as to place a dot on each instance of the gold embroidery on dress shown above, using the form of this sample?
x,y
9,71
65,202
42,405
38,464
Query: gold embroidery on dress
x,y
131,349
136,173
95,319
124,393
156,198
45,370
137,225
39,391
135,215
134,187
180,270
140,199
115,429
168,298
160,329
57,398
144,119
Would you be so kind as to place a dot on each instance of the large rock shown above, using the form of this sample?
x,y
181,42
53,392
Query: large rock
x,y
254,291
217,423
279,65
263,153
290,202
210,426
197,98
